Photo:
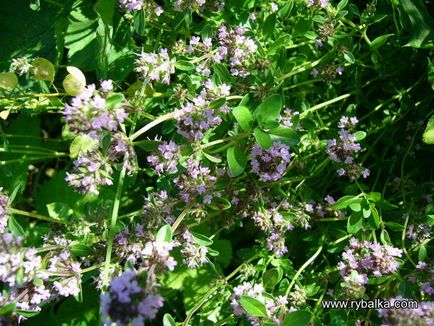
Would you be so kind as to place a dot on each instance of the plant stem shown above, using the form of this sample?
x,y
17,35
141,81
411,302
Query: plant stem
x,y
37,216
114,219
180,218
302,268
214,288
324,104
33,95
152,124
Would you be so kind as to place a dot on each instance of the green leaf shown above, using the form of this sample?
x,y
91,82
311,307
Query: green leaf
x,y
58,210
80,250
105,10
217,103
269,25
269,109
272,277
237,160
244,117
224,248
379,41
354,223
431,73
345,201
7,309
420,20
212,158
147,145
15,227
164,234
253,306
342,4
385,238
168,320
428,135
114,100
374,218
422,254
222,72
287,133
262,138
201,239
297,318
349,57
394,226
184,65
82,144
360,135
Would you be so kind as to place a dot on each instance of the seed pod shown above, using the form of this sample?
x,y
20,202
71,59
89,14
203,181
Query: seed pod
x,y
75,82
42,69
8,80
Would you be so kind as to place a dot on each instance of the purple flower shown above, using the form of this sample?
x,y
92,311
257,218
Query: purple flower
x,y
155,66
4,211
127,302
196,117
90,171
89,113
270,164
131,5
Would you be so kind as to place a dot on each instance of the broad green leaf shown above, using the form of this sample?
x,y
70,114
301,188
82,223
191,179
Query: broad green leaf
x,y
164,234
379,41
271,277
253,306
82,144
237,160
168,320
15,227
287,133
345,201
342,4
244,117
7,309
80,250
58,210
212,158
105,10
184,65
217,103
201,239
262,138
431,73
374,218
269,109
360,135
115,100
422,254
354,223
297,318
428,135
422,24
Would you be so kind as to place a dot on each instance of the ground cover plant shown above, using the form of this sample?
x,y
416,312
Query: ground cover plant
x,y
216,162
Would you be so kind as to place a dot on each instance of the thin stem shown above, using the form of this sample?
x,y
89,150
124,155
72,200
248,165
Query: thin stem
x,y
302,268
114,219
33,95
324,104
152,124
37,216
180,218
214,288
